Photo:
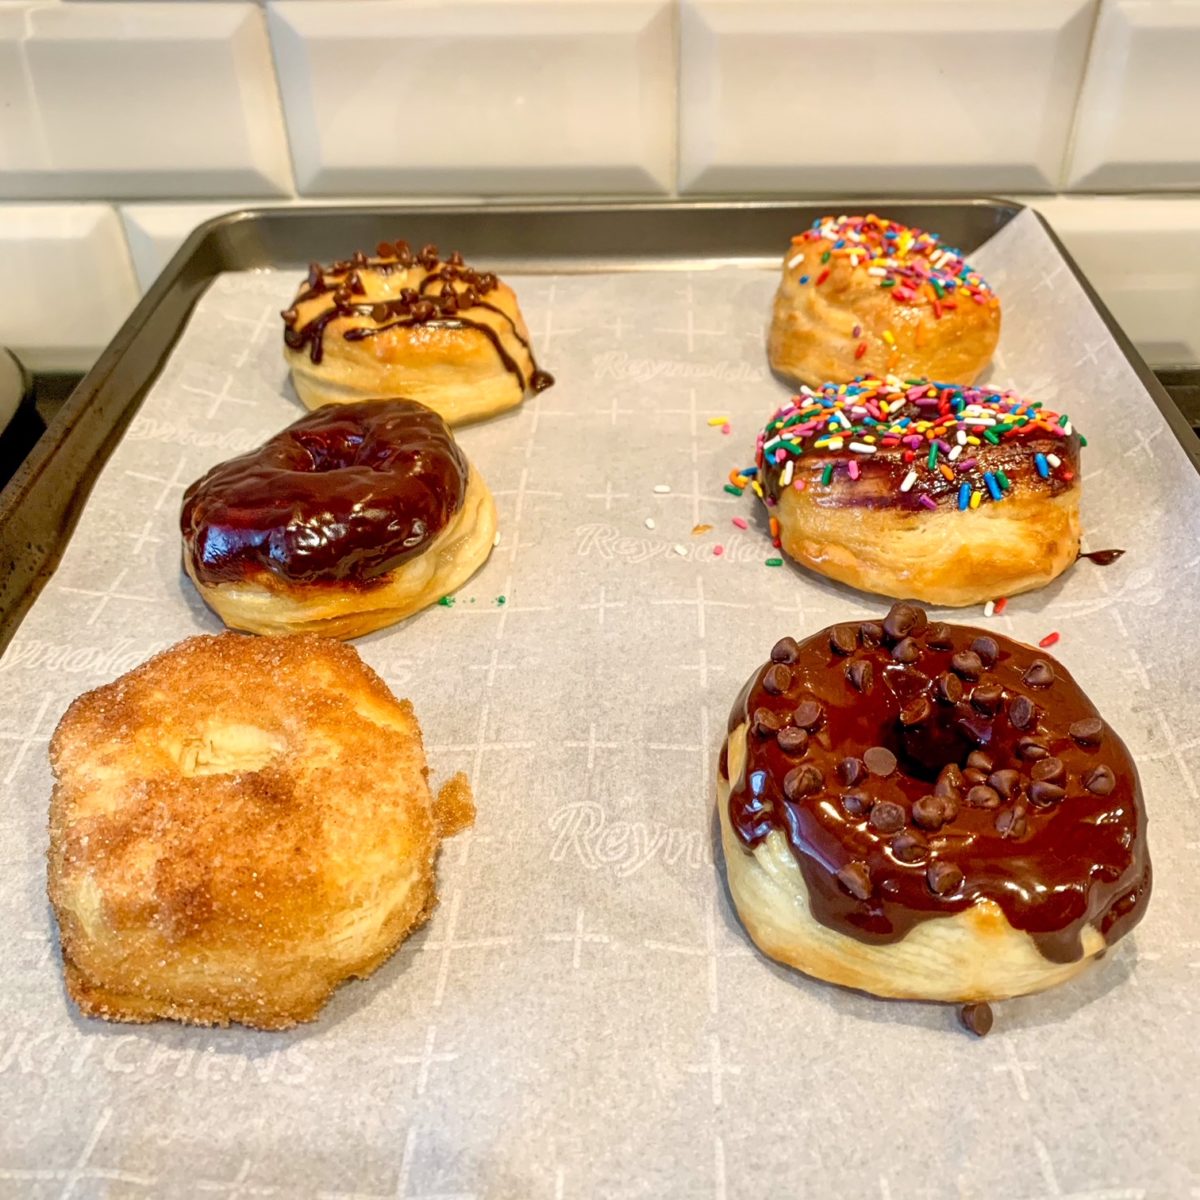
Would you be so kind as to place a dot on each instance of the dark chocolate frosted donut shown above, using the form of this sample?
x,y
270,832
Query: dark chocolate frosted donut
x,y
347,493
916,770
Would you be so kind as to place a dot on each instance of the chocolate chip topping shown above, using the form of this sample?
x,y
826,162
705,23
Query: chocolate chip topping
x,y
786,650
1040,674
855,877
950,780
1087,732
777,679
764,722
976,1018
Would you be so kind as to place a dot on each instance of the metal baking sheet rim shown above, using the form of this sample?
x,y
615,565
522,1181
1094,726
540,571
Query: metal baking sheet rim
x,y
41,504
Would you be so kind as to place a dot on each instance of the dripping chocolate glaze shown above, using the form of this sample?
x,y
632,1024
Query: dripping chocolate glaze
x,y
1048,823
462,289
1102,558
345,494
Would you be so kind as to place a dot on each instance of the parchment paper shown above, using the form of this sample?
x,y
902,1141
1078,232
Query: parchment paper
x,y
583,1016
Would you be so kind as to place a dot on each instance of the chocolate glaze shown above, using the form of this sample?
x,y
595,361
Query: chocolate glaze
x,y
345,494
461,289
1027,831
1102,558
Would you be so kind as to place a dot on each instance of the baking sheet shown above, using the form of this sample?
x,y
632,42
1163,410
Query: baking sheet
x,y
583,1016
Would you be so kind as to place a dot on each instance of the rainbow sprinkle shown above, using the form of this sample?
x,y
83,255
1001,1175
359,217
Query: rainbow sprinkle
x,y
930,441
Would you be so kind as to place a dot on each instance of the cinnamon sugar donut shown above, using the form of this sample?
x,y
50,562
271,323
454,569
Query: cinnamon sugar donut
x,y
354,517
922,490
928,811
867,296
405,324
238,826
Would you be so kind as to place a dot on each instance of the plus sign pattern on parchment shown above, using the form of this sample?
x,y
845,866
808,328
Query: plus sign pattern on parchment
x,y
583,1016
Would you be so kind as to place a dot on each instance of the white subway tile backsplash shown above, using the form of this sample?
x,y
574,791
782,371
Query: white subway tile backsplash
x,y
1143,256
76,282
526,97
138,100
917,96
1138,125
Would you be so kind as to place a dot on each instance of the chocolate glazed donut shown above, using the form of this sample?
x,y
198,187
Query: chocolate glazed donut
x,y
931,780
351,518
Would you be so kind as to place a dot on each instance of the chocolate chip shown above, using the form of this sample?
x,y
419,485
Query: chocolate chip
x,y
987,649
1049,769
968,664
887,817
949,688
850,770
786,650
1099,780
1045,793
976,1018
939,636
987,697
903,619
764,722
909,847
949,809
1012,822
422,310
1087,732
379,313
929,813
1021,712
1031,749
793,742
1005,781
855,877
843,639
980,761
1039,674
972,776
915,712
777,679
802,781
857,804
982,796
808,714
880,760
861,675
943,878
906,650
949,781
870,633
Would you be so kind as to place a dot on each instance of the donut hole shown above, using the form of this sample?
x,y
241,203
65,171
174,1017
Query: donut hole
x,y
223,748
925,746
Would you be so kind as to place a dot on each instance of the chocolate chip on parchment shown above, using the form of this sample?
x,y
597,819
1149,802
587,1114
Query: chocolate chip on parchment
x,y
1099,780
1004,781
906,650
887,817
1045,794
1087,732
949,688
1012,822
987,648
857,804
976,1018
861,675
968,664
909,847
1039,674
1021,712
802,781
843,639
982,796
903,619
1051,770
880,760
929,813
915,712
793,742
764,722
786,650
938,636
855,877
943,878
777,679
987,697
808,714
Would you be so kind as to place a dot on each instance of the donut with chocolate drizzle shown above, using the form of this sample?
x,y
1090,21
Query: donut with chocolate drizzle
x,y
930,811
413,324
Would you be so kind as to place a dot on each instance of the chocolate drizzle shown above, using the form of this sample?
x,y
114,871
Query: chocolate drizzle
x,y
461,290
345,494
1102,558
975,769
